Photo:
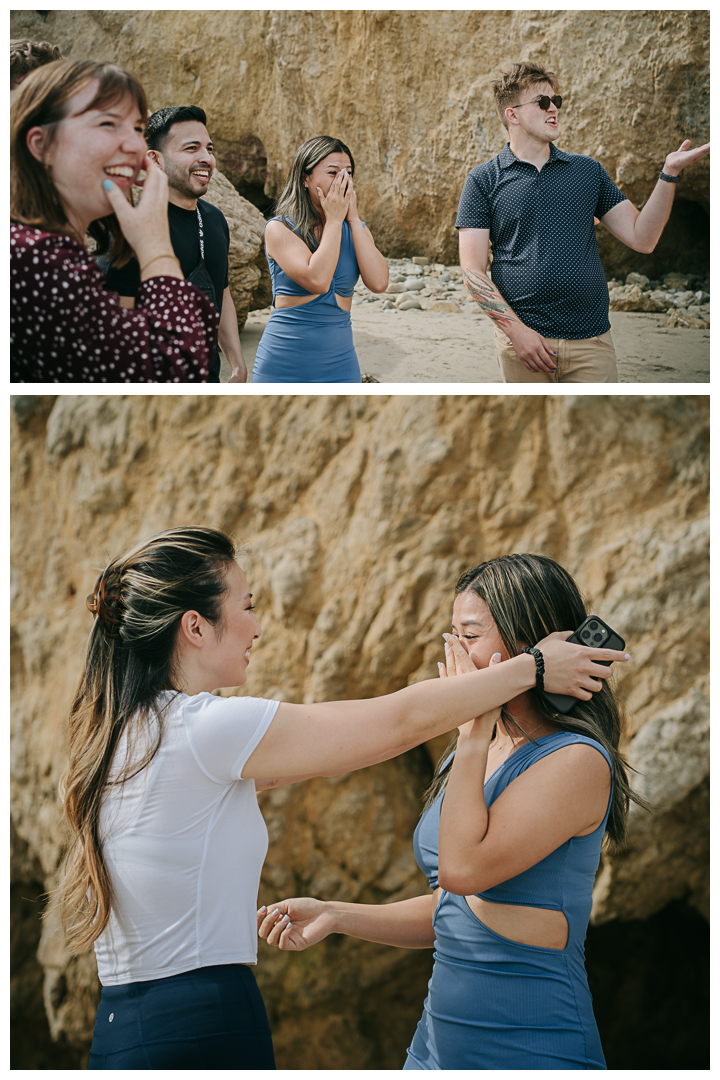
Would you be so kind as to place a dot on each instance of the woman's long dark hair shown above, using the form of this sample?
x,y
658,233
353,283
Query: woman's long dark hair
x,y
42,101
529,597
294,205
138,603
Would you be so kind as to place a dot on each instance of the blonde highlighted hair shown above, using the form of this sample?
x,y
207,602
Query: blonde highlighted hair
x,y
138,604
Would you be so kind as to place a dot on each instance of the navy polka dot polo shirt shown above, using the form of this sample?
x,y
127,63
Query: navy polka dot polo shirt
x,y
545,258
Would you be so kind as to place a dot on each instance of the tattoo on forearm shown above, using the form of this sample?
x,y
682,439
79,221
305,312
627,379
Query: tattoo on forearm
x,y
488,298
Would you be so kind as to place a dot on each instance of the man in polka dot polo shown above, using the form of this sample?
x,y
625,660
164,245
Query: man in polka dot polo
x,y
548,296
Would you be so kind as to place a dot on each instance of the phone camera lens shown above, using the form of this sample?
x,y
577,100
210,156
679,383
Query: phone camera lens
x,y
597,637
586,633
593,626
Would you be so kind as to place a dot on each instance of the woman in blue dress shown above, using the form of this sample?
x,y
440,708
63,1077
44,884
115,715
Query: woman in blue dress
x,y
510,842
317,247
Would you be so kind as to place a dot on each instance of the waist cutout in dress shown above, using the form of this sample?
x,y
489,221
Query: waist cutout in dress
x,y
343,282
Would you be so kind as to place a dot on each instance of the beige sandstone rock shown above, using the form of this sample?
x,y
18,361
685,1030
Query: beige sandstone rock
x,y
636,83
679,318
248,271
632,298
448,306
637,279
360,513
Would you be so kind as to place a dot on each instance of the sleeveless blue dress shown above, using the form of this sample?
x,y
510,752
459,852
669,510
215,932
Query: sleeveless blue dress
x,y
494,1003
312,342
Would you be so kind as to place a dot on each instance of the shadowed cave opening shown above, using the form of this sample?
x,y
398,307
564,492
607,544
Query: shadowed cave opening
x,y
244,162
650,982
684,246
31,1046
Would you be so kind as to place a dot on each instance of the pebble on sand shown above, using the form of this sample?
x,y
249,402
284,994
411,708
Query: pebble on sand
x,y
448,306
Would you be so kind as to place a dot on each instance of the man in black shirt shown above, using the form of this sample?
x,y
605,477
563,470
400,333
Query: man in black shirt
x,y
179,143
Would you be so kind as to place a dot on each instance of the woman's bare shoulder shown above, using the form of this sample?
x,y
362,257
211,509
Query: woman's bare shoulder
x,y
279,227
580,757
279,234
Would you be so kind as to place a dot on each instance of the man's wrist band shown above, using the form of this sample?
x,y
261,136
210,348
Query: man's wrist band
x,y
539,667
165,255
670,179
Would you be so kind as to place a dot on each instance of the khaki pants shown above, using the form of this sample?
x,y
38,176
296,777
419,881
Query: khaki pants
x,y
588,360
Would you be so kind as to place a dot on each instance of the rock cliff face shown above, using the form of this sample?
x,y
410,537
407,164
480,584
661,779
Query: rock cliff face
x,y
409,92
359,513
248,272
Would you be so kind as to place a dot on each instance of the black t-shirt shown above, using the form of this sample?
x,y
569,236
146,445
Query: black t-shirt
x,y
185,240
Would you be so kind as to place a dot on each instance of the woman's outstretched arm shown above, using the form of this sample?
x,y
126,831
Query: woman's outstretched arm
x,y
339,736
296,924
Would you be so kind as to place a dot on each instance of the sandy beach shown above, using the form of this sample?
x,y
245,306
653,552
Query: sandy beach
x,y
422,346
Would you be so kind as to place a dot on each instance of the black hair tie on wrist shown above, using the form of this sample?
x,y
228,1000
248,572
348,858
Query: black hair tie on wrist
x,y
539,667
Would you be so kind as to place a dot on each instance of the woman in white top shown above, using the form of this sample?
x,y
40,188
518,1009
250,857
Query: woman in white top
x,y
160,788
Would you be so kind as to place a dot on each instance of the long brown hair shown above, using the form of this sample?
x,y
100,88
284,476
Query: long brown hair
x,y
294,205
529,597
42,101
138,603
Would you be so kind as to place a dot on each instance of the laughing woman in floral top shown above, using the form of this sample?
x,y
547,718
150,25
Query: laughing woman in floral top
x,y
77,147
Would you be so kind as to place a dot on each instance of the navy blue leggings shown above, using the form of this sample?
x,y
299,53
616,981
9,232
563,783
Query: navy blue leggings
x,y
210,1018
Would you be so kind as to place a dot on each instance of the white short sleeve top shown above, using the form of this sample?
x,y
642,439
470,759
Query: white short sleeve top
x,y
184,841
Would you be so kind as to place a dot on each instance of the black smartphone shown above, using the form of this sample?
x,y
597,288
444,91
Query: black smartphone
x,y
596,633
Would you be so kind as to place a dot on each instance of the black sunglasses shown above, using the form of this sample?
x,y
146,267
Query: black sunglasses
x,y
543,102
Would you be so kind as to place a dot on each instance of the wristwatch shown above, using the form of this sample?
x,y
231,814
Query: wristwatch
x,y
670,179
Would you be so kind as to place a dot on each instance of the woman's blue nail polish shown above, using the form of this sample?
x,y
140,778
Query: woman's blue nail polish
x,y
108,185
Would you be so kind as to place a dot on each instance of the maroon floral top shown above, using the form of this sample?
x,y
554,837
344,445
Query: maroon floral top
x,y
64,326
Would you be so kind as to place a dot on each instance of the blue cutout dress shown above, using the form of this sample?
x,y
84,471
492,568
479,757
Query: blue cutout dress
x,y
494,1003
312,342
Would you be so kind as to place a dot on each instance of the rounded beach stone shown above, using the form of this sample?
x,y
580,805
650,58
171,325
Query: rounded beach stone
x,y
448,306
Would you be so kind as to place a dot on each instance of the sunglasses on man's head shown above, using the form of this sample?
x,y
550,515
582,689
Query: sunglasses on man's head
x,y
543,102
